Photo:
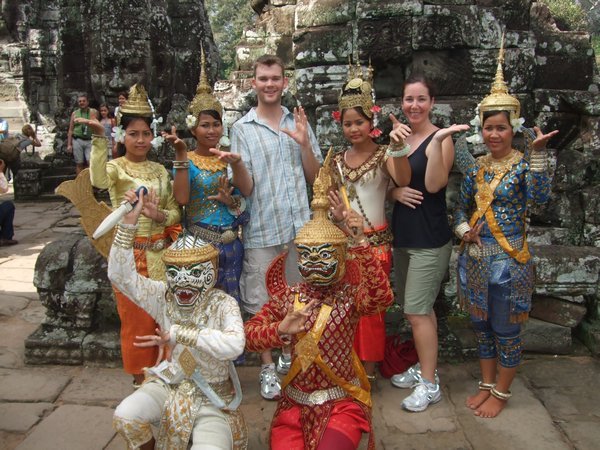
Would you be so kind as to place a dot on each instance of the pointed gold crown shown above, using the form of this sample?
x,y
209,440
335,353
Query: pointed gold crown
x,y
358,91
137,103
188,249
319,229
499,98
204,100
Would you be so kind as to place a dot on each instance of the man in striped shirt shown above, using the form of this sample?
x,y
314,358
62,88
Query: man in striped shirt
x,y
282,155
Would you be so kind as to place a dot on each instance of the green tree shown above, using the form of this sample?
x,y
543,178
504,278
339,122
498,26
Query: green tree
x,y
228,20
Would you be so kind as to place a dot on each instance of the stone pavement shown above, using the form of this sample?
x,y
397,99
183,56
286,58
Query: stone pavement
x,y
554,405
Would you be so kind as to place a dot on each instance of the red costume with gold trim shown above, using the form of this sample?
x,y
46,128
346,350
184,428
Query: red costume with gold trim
x,y
364,290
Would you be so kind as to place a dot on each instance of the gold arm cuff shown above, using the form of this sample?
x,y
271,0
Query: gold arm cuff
x,y
187,336
125,235
98,136
461,229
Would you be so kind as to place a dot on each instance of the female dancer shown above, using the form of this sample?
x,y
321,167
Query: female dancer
x,y
422,237
496,271
131,170
365,170
201,184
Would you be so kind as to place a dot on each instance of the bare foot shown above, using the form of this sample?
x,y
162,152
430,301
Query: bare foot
x,y
490,408
474,401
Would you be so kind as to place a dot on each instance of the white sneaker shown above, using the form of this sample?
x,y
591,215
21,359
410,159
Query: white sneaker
x,y
270,386
284,363
424,395
410,378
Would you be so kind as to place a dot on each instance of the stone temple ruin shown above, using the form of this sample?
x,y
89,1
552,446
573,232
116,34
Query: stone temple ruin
x,y
455,42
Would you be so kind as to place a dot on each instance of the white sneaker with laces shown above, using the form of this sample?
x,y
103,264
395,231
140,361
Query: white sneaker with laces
x,y
284,363
270,386
410,378
424,395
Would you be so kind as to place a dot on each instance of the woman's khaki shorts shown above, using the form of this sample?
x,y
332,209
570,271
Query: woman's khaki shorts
x,y
418,273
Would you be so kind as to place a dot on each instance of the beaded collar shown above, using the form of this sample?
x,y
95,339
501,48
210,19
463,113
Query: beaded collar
x,y
144,170
492,165
211,163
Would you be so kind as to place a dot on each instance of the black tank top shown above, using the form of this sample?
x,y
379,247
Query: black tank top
x,y
426,226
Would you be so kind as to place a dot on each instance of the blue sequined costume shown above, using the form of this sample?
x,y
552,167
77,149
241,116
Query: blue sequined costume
x,y
494,283
213,219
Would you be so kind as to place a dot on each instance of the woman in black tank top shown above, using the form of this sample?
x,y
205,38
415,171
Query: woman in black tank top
x,y
422,238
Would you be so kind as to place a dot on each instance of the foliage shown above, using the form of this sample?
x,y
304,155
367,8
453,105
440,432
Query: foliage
x,y
596,47
569,14
228,19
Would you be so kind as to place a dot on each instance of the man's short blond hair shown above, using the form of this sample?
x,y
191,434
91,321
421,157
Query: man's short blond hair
x,y
269,60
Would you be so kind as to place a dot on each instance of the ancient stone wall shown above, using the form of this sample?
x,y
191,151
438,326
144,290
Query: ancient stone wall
x,y
102,47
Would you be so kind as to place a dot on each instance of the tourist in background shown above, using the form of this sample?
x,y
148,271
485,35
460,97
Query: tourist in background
x,y
7,212
496,273
422,237
156,225
79,136
364,170
108,122
281,154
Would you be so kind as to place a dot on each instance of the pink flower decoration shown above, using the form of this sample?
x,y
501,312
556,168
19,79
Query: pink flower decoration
x,y
376,110
337,116
375,133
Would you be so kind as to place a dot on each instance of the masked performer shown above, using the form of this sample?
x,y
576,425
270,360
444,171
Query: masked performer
x,y
326,401
365,170
131,170
496,271
214,210
195,392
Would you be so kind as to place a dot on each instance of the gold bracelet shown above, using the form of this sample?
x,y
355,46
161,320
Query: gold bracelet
x,y
125,235
187,336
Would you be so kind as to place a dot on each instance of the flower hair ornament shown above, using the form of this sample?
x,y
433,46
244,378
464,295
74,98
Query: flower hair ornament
x,y
498,100
358,92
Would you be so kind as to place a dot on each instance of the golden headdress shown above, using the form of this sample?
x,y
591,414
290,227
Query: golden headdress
x,y
137,104
204,100
188,249
499,98
319,229
358,91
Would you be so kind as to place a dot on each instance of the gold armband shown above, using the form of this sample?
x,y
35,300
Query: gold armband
x,y
125,235
187,336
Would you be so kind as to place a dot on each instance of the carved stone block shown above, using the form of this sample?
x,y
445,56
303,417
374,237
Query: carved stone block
x,y
557,311
545,337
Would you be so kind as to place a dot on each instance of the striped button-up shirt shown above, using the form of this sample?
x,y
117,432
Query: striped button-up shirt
x,y
278,204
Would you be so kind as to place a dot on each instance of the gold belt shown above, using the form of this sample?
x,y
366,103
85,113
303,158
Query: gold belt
x,y
493,249
225,237
155,246
381,237
317,397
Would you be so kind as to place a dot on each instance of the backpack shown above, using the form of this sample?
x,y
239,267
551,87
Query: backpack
x,y
9,149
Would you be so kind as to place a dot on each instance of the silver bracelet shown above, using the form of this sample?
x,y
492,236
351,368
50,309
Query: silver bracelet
x,y
462,229
181,164
538,162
